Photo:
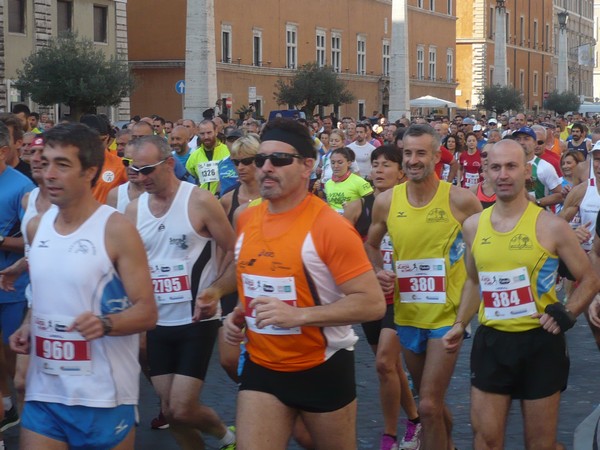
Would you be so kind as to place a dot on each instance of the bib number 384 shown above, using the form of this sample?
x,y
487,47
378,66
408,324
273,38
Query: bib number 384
x,y
506,295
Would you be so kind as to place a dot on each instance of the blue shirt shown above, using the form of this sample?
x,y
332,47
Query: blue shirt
x,y
227,175
13,186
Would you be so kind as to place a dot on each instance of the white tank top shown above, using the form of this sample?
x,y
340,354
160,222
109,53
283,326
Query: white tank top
x,y
30,213
588,210
123,197
72,274
182,263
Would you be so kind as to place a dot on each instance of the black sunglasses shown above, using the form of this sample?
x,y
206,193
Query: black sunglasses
x,y
245,161
126,161
278,159
541,142
147,170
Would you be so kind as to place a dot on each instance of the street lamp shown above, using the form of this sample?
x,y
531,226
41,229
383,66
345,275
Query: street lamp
x,y
563,19
499,76
563,68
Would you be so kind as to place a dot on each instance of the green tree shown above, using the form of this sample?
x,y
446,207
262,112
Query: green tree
x,y
561,102
73,71
500,99
313,86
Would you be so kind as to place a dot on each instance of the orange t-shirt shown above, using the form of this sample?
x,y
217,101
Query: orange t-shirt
x,y
300,257
112,175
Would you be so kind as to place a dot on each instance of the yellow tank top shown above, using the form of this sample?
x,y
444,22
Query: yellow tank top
x,y
516,274
428,253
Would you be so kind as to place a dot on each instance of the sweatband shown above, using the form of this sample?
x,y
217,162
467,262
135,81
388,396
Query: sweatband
x,y
563,317
302,145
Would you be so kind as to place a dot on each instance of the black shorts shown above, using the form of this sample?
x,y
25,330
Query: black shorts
x,y
526,365
324,388
228,303
182,349
373,329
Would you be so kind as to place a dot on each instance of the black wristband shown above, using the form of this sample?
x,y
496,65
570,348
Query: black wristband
x,y
563,317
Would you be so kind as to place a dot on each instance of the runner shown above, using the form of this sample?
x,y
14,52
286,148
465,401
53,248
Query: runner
x,y
394,389
180,226
84,373
424,218
304,278
519,350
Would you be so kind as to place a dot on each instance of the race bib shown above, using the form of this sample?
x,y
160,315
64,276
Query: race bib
x,y
281,288
506,295
422,280
387,252
471,179
60,352
208,172
171,282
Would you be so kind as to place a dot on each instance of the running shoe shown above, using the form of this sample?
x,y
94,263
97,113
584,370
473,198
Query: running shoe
x,y
159,423
230,446
388,442
412,436
11,418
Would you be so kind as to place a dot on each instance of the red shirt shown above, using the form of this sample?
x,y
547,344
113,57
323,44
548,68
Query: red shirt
x,y
446,158
553,159
470,169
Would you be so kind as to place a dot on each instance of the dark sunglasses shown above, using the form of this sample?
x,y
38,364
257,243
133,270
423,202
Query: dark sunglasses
x,y
245,161
126,161
541,142
278,159
147,170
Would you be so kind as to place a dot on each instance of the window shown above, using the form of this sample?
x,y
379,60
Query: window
x,y
546,82
420,3
321,37
507,27
361,55
291,43
431,5
100,23
522,31
361,109
385,69
535,34
16,16
449,65
546,38
522,80
449,7
491,81
492,22
226,43
336,52
257,48
64,16
420,62
535,83
432,64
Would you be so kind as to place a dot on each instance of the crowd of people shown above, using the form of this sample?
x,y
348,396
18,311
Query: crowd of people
x,y
148,245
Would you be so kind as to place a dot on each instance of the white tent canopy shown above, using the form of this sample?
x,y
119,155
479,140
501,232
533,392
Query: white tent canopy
x,y
431,102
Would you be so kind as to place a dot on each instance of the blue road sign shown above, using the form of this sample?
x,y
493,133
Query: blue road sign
x,y
180,87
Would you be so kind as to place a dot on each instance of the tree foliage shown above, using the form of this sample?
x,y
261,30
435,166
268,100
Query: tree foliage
x,y
500,99
73,71
313,86
562,102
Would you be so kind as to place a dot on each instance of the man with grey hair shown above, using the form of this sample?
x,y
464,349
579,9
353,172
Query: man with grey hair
x,y
181,227
424,218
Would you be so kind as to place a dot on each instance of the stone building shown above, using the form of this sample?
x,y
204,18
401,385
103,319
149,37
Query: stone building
x,y
26,25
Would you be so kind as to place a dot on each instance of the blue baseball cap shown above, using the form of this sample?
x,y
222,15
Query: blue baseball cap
x,y
526,130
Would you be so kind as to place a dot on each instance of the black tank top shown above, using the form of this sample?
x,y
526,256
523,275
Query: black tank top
x,y
235,202
364,220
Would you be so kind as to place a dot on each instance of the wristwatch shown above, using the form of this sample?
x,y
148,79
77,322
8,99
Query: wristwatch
x,y
539,203
2,239
107,324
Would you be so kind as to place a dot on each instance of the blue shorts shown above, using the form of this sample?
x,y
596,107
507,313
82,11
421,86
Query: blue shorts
x,y
81,427
11,318
415,339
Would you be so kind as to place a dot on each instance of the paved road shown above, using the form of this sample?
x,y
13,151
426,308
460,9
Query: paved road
x,y
581,397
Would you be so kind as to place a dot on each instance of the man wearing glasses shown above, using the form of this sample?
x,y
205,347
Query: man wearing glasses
x,y
122,195
181,227
302,277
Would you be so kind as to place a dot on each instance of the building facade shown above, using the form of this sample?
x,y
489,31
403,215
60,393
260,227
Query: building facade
x,y
257,44
27,25
532,48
